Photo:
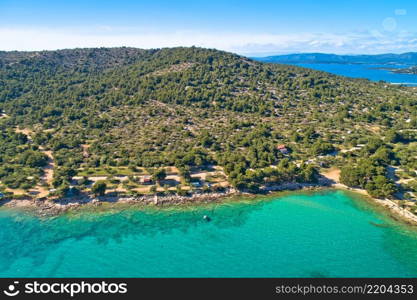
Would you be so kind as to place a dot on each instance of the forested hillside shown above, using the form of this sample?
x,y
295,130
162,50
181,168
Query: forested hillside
x,y
126,111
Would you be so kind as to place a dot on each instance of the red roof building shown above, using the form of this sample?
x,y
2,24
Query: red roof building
x,y
282,149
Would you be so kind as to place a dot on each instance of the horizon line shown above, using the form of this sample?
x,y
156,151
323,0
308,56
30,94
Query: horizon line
x,y
249,55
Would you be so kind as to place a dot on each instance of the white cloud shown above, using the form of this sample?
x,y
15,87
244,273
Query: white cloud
x,y
244,43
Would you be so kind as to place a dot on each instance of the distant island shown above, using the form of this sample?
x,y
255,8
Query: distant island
x,y
409,58
411,70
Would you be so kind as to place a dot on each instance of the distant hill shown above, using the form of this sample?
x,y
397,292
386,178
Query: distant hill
x,y
405,58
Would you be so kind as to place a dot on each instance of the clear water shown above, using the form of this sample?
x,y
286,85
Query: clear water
x,y
321,234
371,72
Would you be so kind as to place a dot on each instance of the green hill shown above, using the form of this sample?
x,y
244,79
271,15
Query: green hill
x,y
191,108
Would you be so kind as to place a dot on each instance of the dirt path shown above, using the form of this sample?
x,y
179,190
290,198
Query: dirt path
x,y
49,168
41,190
85,149
26,132
332,174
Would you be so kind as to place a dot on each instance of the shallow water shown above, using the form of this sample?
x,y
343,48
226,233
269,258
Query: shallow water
x,y
320,234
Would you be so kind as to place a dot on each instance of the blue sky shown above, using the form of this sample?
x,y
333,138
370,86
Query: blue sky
x,y
247,27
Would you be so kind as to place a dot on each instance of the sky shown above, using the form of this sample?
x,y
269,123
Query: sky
x,y
253,28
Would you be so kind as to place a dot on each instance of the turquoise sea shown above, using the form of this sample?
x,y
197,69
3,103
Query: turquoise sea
x,y
371,72
318,234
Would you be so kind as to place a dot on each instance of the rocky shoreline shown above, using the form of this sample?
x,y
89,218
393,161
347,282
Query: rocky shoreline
x,y
53,207
62,205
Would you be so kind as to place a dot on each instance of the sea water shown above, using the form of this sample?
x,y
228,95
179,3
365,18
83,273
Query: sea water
x,y
317,234
367,71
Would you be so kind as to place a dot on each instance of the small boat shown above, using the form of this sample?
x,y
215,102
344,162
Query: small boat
x,y
207,218
379,224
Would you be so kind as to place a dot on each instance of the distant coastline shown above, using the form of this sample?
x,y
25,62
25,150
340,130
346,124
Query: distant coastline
x,y
397,69
409,58
393,74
